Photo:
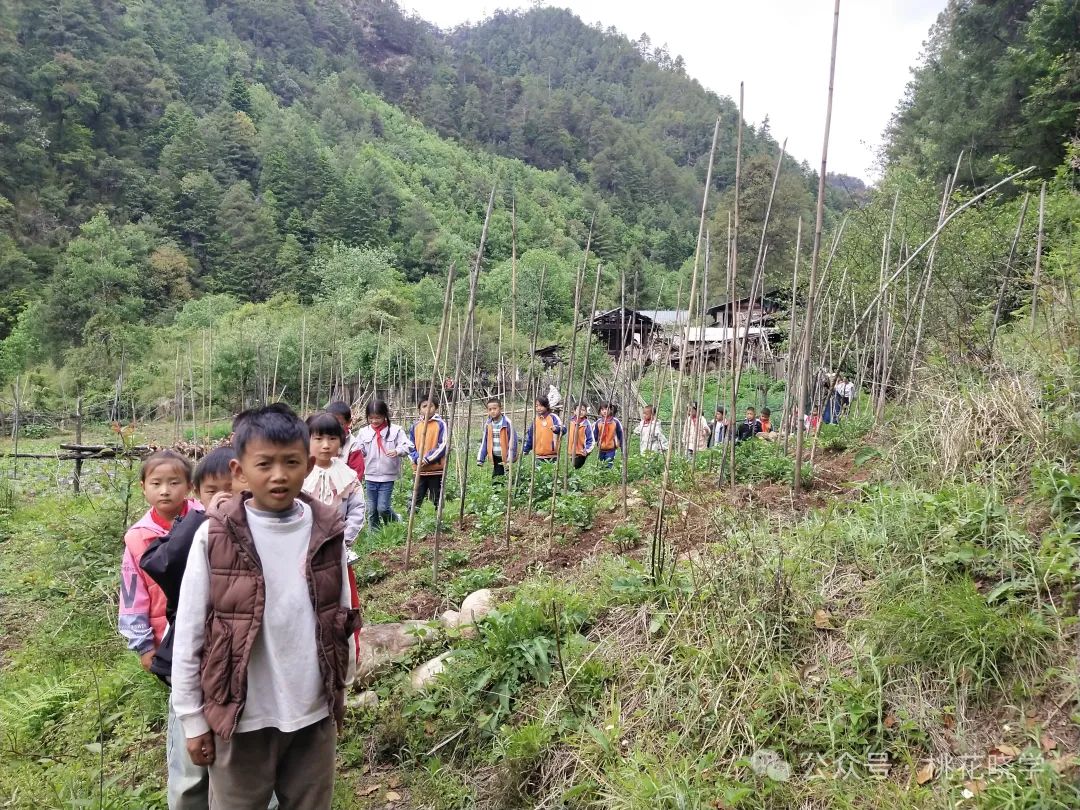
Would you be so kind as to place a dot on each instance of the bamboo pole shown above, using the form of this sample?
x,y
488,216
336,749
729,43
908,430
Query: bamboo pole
x,y
588,334
886,246
470,314
733,248
818,224
937,231
657,561
444,336
530,386
924,292
508,465
1008,271
701,372
303,379
574,339
1038,254
474,365
785,416
626,397
210,382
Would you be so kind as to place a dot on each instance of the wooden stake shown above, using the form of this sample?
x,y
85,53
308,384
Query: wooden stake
x,y
796,483
1038,254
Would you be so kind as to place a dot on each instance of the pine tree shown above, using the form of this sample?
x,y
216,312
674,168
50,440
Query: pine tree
x,y
239,96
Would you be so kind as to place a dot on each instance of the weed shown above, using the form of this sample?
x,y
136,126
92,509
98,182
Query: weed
x,y
953,630
473,580
625,537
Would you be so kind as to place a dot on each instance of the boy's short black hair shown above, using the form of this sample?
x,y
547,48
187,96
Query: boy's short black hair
x,y
494,401
766,412
277,424
340,408
545,402
612,408
324,423
214,464
434,400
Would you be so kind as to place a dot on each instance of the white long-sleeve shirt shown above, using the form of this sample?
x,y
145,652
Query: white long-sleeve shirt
x,y
652,436
284,683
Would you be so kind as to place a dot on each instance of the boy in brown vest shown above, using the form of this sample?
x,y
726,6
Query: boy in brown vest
x,y
262,650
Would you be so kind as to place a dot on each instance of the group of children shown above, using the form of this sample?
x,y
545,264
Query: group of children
x,y
242,597
242,601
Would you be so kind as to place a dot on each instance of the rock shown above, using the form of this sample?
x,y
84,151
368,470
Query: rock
x,y
450,618
634,503
423,675
694,556
383,644
476,606
365,700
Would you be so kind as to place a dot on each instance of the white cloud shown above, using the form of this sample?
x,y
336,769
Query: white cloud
x,y
780,50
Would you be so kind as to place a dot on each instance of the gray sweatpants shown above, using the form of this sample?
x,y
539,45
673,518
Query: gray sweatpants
x,y
297,765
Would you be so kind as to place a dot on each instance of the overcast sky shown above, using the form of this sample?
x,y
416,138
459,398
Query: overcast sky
x,y
780,49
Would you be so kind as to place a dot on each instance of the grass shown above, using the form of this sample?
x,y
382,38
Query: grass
x,y
816,656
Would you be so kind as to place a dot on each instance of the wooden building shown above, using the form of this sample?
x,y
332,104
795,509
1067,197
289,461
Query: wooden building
x,y
742,311
622,327
711,346
549,355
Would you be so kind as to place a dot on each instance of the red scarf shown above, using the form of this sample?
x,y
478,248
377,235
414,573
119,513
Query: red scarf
x,y
162,522
379,441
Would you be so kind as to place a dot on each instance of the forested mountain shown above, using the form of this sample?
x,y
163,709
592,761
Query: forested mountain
x,y
1000,80
230,144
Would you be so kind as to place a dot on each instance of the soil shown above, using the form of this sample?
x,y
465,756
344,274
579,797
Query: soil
x,y
535,543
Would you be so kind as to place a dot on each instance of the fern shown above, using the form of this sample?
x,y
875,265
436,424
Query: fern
x,y
30,708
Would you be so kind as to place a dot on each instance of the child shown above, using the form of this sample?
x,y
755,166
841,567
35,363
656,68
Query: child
x,y
262,650
331,481
765,422
166,482
609,434
652,435
498,441
428,437
164,562
695,431
544,432
812,422
350,450
581,436
383,445
718,433
748,428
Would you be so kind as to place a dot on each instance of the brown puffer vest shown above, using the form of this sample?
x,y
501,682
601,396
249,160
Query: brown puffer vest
x,y
237,598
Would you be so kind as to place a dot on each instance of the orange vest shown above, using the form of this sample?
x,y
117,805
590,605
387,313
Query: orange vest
x,y
576,439
427,439
504,441
605,434
545,440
